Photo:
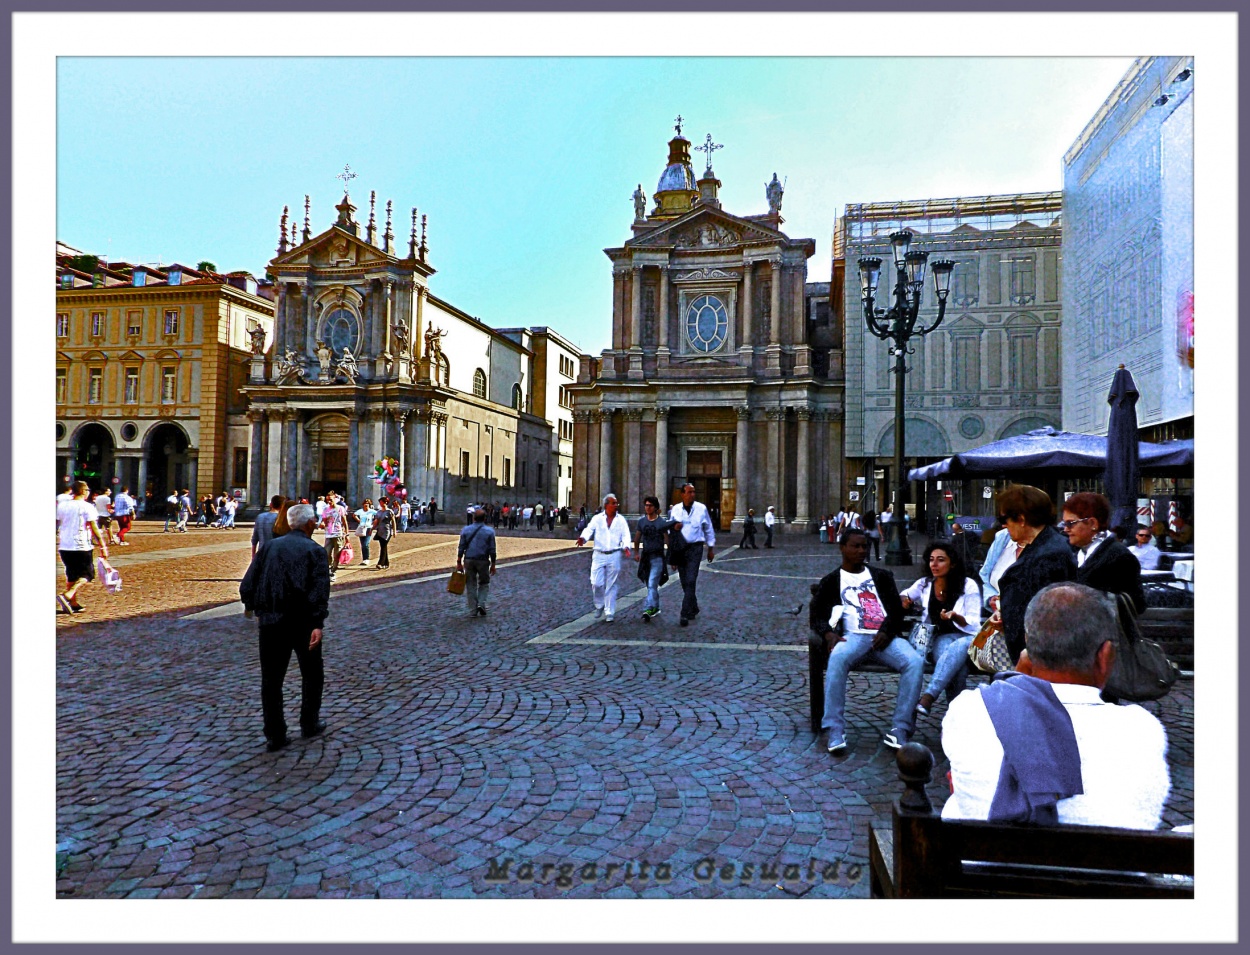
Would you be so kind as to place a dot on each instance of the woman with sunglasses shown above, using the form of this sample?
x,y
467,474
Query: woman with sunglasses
x,y
950,600
1102,562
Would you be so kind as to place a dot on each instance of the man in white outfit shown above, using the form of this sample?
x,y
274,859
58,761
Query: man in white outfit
x,y
610,532
696,530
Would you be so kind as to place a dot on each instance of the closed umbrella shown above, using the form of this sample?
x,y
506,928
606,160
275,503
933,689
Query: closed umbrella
x,y
1122,475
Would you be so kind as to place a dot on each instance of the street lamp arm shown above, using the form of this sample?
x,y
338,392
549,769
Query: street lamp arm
x,y
938,321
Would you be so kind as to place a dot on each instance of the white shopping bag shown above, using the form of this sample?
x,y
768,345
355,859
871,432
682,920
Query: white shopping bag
x,y
109,576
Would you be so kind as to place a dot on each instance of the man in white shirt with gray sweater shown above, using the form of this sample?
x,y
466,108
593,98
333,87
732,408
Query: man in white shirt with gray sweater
x,y
696,530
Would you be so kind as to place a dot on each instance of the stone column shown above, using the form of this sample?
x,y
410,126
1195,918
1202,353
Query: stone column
x,y
256,498
581,469
783,475
353,461
631,497
402,457
742,462
418,331
662,317
281,323
387,311
273,463
619,339
746,347
141,488
802,349
802,508
772,367
290,452
440,464
635,325
310,326
605,454
193,471
774,465
661,456
418,452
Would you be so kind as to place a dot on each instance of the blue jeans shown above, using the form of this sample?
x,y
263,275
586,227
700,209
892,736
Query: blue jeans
x,y
364,545
950,671
898,656
653,583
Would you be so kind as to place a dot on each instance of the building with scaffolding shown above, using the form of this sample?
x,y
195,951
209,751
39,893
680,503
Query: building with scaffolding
x,y
990,371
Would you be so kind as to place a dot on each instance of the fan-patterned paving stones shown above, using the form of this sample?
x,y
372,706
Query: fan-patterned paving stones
x,y
463,759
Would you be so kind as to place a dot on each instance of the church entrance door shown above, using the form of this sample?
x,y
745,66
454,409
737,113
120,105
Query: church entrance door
x,y
703,469
333,473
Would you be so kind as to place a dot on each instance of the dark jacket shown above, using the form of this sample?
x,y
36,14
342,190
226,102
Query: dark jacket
x,y
1113,569
384,524
1048,560
288,582
829,595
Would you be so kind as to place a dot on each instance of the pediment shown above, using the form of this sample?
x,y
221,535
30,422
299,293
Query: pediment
x,y
95,355
334,248
130,355
705,228
965,324
167,353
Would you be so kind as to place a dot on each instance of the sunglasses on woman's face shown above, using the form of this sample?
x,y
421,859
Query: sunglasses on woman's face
x,y
1068,525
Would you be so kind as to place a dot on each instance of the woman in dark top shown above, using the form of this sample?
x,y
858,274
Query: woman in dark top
x,y
748,531
1102,562
1042,557
383,531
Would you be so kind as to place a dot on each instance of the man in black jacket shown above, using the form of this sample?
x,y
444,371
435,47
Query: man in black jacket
x,y
288,588
863,603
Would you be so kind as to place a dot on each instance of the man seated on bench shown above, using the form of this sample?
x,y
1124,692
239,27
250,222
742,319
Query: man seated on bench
x,y
1041,746
865,602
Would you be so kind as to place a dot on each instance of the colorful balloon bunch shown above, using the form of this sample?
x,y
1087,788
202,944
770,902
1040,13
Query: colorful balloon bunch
x,y
386,476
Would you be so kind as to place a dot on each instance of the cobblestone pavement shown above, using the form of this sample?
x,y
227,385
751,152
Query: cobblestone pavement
x,y
675,762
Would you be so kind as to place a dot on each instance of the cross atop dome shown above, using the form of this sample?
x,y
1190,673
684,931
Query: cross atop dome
x,y
678,126
709,147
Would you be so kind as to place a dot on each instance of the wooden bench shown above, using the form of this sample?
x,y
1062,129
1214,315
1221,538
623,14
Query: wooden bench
x,y
921,856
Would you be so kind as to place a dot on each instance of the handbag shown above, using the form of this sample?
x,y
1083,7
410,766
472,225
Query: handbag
x,y
1142,671
109,576
988,650
456,582
346,554
920,637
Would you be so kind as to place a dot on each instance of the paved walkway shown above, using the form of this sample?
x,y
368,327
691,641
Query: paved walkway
x,y
532,753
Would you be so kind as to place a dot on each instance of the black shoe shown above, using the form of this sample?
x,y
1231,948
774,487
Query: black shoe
x,y
316,730
481,611
684,621
276,744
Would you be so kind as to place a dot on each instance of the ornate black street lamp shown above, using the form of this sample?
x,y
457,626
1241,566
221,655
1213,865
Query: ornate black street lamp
x,y
898,326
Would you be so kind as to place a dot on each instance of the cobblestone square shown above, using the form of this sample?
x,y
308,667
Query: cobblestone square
x,y
533,753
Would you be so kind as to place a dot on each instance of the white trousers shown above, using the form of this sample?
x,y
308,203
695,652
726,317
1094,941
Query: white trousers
x,y
604,569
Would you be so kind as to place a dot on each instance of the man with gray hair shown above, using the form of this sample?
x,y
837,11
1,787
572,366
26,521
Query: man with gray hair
x,y
610,532
1041,745
475,557
287,586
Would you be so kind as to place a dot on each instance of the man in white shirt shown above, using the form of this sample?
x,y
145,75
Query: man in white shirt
x,y
320,507
696,530
770,518
1144,550
77,529
1043,746
610,532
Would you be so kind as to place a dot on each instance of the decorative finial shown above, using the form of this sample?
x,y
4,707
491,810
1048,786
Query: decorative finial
x,y
307,230
424,248
347,176
282,245
371,236
678,126
388,237
412,239
294,234
709,147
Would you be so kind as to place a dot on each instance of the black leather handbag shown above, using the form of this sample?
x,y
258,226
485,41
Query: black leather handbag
x,y
1142,671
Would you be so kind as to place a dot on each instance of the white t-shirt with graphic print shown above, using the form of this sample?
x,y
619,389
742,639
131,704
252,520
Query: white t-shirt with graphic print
x,y
862,610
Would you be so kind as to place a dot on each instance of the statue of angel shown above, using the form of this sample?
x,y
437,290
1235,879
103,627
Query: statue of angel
x,y
347,367
288,367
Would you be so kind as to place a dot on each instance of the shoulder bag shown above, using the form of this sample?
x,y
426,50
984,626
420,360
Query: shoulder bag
x,y
988,650
920,637
1141,670
456,582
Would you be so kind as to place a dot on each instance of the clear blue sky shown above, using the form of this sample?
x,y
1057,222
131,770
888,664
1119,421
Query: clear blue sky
x,y
525,166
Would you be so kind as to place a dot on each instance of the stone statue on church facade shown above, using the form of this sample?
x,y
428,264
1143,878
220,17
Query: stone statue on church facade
x,y
347,367
257,336
288,369
774,191
433,343
640,203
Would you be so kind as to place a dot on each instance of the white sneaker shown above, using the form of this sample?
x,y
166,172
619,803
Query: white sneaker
x,y
837,744
608,618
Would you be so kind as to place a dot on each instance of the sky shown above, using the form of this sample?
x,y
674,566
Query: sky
x,y
525,165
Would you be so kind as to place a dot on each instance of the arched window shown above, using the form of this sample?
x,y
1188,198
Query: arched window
x,y
443,372
518,398
479,383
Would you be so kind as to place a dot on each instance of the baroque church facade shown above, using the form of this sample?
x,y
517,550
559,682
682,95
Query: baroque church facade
x,y
367,363
717,372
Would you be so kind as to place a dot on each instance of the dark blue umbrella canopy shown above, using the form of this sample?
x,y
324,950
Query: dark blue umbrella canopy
x,y
1122,475
1046,448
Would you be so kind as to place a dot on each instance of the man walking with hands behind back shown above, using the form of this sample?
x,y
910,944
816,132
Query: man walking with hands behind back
x,y
475,558
288,588
695,531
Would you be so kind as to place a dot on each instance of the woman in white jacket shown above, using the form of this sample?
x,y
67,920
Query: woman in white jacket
x,y
950,600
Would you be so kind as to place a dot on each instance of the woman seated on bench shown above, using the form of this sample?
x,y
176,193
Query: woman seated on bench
x,y
951,602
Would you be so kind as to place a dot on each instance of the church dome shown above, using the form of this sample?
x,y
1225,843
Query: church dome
x,y
677,176
676,192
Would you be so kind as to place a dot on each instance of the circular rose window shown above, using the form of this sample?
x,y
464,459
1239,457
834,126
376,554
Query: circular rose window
x,y
707,323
